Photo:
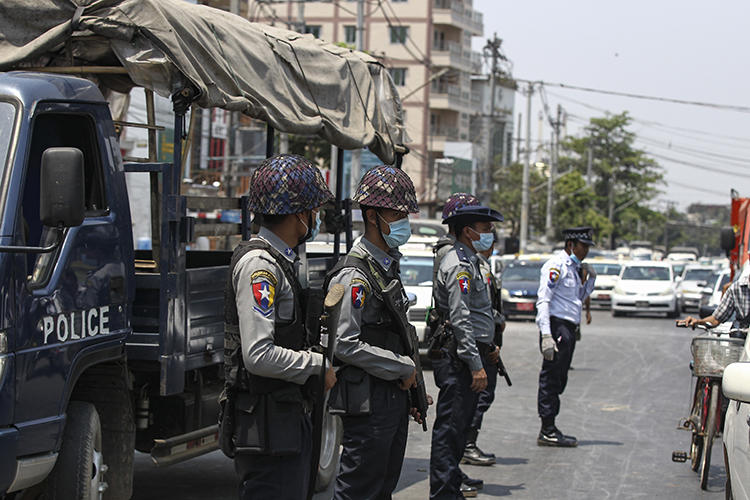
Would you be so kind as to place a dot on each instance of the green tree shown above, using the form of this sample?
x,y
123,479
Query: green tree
x,y
576,206
619,166
507,199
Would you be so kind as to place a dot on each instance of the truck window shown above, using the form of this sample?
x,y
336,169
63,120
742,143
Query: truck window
x,y
59,130
7,118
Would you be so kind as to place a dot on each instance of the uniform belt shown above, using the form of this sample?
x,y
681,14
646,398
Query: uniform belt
x,y
566,321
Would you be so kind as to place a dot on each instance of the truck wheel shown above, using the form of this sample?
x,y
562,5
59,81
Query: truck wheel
x,y
79,471
330,447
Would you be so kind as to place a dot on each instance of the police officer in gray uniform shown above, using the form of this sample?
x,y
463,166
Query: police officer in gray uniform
x,y
266,423
375,372
465,310
562,290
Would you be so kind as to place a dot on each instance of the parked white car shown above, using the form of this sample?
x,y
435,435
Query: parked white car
x,y
607,275
712,293
690,285
645,286
416,275
736,386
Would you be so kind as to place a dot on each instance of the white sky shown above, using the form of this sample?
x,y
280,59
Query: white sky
x,y
680,49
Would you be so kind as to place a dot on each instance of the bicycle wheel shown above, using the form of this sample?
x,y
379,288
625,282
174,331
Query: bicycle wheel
x,y
710,431
697,419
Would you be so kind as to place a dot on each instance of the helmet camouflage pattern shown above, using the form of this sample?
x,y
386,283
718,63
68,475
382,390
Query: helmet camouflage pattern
x,y
387,187
287,184
456,201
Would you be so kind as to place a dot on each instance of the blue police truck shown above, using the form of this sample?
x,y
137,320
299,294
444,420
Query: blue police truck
x,y
105,349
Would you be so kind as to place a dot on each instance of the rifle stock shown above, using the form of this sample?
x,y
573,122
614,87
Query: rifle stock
x,y
394,300
328,324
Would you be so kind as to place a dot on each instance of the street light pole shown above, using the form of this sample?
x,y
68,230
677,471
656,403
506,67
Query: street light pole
x,y
526,167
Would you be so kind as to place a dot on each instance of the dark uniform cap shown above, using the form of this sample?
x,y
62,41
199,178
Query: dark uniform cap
x,y
287,184
474,213
387,187
456,201
583,234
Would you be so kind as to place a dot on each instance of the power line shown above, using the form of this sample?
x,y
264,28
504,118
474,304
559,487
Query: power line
x,y
709,155
696,165
726,107
700,189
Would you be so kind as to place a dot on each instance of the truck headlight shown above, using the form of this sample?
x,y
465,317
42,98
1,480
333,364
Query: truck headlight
x,y
505,294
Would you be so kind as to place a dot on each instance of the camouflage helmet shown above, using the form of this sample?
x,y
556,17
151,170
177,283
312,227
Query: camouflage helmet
x,y
287,184
387,187
456,201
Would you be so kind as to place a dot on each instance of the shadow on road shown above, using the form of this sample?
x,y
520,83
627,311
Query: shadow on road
x,y
414,470
598,442
500,490
511,461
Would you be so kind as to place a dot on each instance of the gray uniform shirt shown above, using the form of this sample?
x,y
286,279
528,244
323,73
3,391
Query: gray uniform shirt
x,y
462,291
357,307
264,295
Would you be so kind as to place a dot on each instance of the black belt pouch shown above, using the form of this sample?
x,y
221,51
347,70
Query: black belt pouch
x,y
269,424
351,394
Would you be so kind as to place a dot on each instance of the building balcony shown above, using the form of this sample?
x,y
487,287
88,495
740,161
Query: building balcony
x,y
448,97
453,13
452,55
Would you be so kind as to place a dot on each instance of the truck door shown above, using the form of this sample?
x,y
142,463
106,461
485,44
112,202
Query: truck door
x,y
72,303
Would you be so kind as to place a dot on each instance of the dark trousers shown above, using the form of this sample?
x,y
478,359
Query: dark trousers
x,y
374,446
455,405
281,478
554,374
484,400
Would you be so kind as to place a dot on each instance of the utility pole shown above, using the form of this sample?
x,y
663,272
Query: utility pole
x,y
526,167
611,211
554,155
300,25
356,163
518,138
589,166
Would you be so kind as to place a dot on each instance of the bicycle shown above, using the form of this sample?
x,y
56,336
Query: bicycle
x,y
712,351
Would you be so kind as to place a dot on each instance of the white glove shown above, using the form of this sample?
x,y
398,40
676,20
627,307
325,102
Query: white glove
x,y
548,347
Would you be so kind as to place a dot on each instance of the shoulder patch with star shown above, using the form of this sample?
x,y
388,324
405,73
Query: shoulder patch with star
x,y
464,281
359,293
263,292
554,276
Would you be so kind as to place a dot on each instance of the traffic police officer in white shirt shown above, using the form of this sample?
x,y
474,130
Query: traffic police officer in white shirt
x,y
564,284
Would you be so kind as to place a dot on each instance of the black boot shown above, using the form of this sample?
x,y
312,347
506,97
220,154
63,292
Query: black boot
x,y
470,481
468,491
551,436
474,456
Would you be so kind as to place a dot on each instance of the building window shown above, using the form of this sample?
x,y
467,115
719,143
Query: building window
x,y
399,34
313,30
399,76
350,34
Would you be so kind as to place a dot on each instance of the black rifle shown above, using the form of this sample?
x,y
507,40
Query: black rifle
x,y
328,324
393,297
502,371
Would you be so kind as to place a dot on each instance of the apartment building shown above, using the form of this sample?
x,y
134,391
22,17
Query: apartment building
x,y
426,44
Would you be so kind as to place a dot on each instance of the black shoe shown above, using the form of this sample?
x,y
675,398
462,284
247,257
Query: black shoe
x,y
486,455
553,437
474,483
468,491
474,456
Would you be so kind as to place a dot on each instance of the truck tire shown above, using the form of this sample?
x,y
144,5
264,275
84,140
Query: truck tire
x,y
79,471
330,447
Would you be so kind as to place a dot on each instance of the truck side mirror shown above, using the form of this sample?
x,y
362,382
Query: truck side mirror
x,y
61,198
727,239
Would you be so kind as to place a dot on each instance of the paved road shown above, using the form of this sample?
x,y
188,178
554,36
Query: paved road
x,y
629,387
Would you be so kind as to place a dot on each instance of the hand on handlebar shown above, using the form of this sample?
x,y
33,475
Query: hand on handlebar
x,y
690,322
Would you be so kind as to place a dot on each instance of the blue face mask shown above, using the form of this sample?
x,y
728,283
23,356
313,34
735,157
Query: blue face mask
x,y
400,232
484,242
312,234
575,259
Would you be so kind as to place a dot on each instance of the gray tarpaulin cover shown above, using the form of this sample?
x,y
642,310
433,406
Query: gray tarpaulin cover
x,y
294,82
